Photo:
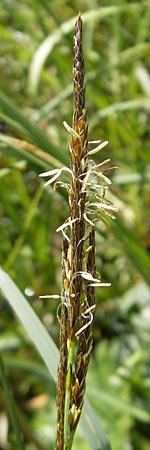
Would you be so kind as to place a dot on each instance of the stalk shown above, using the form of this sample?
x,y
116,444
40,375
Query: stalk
x,y
76,310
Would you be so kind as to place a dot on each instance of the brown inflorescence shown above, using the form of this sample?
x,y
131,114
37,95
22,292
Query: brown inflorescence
x,y
76,310
73,255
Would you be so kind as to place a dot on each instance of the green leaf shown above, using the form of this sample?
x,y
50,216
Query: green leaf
x,y
36,135
132,177
49,43
132,247
50,354
127,105
92,429
31,323
111,401
7,144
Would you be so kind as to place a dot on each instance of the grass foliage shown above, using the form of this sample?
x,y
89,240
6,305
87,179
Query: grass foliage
x,y
35,99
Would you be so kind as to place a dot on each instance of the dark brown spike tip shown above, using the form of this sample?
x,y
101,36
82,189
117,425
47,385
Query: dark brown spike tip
x,y
78,70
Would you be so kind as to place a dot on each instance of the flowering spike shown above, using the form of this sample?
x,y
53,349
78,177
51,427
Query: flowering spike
x,y
75,313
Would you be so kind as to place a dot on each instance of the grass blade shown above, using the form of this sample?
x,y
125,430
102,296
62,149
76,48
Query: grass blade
x,y
132,247
49,43
36,135
92,429
127,105
101,397
31,323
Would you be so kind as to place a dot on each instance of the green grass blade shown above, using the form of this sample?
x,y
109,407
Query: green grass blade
x,y
31,323
102,397
53,103
92,429
19,241
29,367
143,102
49,43
50,354
132,247
11,406
15,149
36,135
120,179
10,342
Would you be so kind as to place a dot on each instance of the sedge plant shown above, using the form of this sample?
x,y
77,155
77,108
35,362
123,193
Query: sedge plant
x,y
86,189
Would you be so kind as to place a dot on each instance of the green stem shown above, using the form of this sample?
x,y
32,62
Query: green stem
x,y
67,441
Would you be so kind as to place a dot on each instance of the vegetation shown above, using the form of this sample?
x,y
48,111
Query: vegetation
x,y
35,99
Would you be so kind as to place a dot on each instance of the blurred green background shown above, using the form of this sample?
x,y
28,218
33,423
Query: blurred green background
x,y
35,98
